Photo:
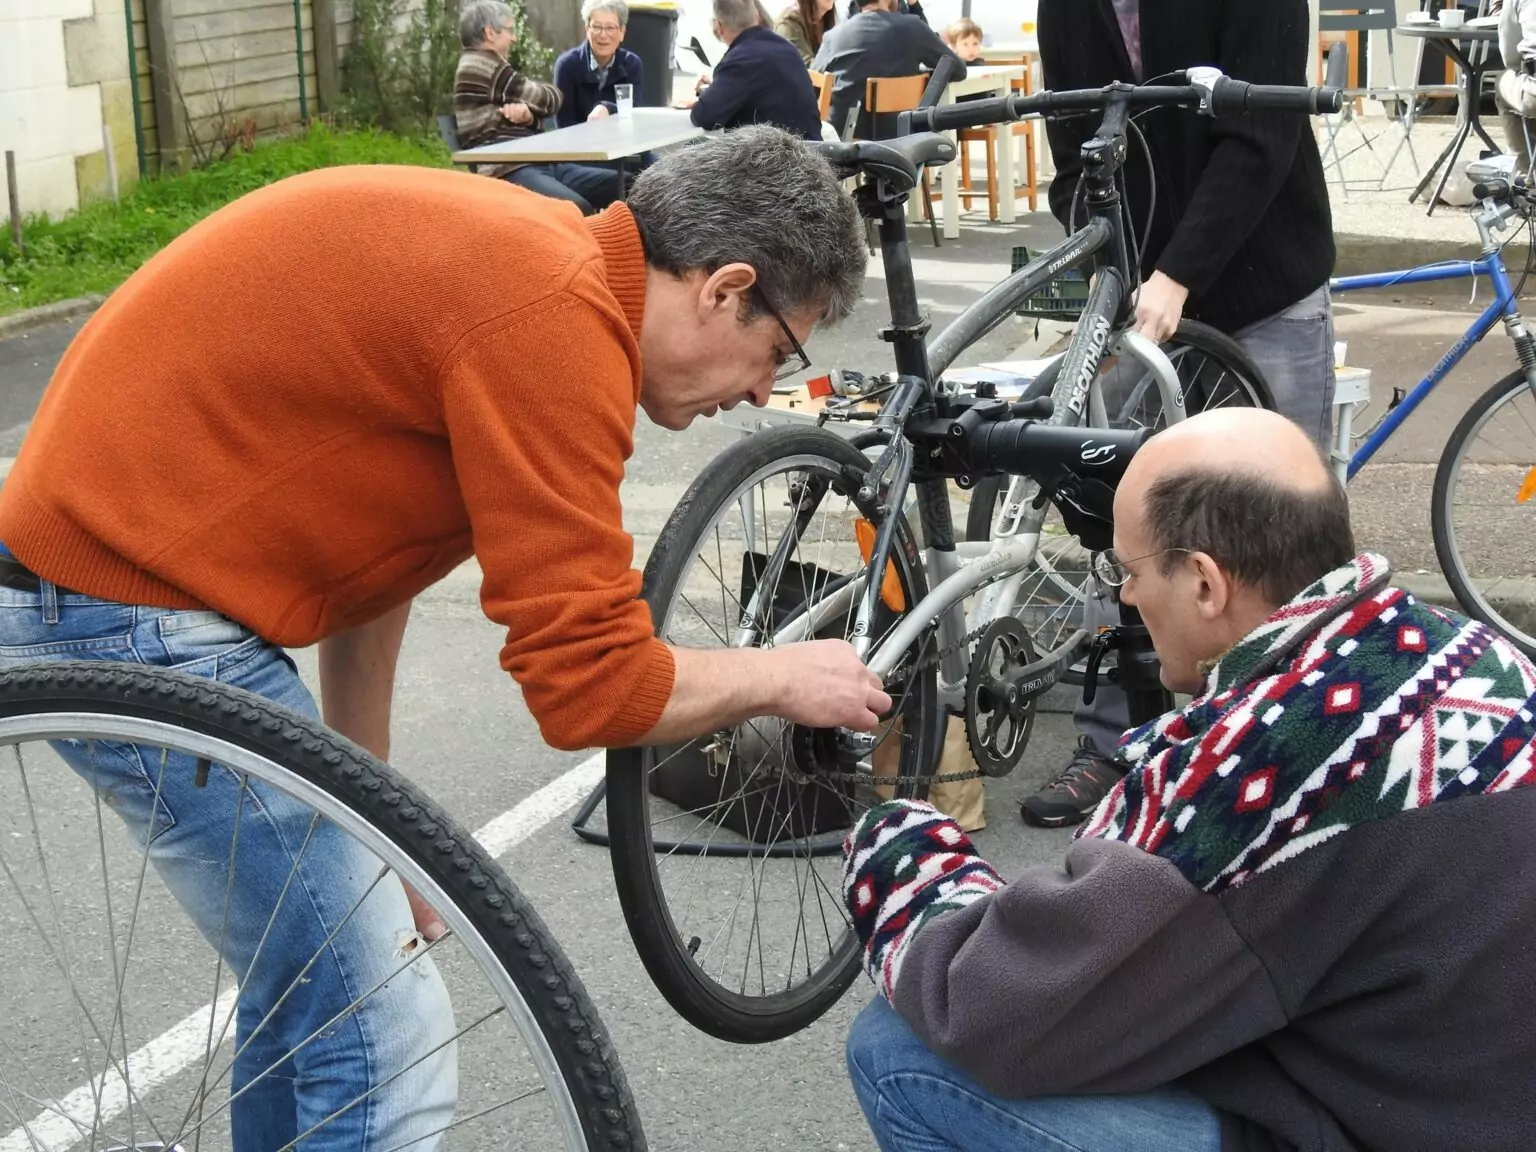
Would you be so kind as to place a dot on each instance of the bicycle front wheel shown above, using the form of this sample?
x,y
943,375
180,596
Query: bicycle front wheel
x,y
727,849
128,1029
1484,510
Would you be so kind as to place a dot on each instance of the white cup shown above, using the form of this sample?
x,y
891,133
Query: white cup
x,y
624,97
1451,18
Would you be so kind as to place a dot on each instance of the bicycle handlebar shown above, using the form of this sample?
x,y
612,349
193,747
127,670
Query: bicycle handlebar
x,y
939,80
1209,91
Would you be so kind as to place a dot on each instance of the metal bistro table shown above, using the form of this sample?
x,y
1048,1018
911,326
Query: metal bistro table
x,y
1469,46
613,139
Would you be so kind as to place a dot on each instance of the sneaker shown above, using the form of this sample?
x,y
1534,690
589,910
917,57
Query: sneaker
x,y
1076,792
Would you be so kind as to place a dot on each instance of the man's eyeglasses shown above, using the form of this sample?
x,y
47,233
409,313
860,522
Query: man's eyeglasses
x,y
796,361
605,29
1112,572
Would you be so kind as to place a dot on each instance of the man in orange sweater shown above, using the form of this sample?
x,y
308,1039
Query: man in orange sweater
x,y
319,401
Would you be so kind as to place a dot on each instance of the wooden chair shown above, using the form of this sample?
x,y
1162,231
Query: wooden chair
x,y
988,138
885,95
1030,183
822,82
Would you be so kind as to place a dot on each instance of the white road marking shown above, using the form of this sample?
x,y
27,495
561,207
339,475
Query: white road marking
x,y
177,1049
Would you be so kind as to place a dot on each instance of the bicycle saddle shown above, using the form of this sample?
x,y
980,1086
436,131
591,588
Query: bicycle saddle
x,y
895,161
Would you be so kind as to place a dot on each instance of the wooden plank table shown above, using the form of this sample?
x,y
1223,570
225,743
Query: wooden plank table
x,y
611,139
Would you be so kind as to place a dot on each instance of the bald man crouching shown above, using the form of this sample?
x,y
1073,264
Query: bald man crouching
x,y
1304,918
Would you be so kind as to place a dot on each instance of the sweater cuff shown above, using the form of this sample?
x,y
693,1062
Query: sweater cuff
x,y
905,863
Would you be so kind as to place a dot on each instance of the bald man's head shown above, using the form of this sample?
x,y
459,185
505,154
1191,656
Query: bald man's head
x,y
1220,520
1246,486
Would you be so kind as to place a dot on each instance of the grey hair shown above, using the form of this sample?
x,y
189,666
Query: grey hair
x,y
761,196
478,15
592,7
738,15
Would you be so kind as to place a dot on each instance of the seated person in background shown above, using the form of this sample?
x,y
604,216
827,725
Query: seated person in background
x,y
804,23
493,101
1302,921
1517,83
760,79
587,73
879,41
964,39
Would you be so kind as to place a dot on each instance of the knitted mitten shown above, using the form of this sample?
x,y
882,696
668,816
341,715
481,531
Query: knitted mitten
x,y
905,862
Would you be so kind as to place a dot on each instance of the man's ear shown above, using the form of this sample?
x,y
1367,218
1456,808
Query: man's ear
x,y
725,290
1213,591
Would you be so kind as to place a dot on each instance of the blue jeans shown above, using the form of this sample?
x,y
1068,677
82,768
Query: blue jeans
x,y
915,1102
588,187
190,834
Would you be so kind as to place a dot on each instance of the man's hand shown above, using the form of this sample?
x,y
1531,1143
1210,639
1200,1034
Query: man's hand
x,y
820,683
824,684
1159,305
599,113
517,113
702,83
428,923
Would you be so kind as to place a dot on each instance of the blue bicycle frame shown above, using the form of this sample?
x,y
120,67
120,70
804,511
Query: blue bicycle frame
x,y
1504,307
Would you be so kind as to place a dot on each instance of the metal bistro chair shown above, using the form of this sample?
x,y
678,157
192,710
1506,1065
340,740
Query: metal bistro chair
x,y
1397,99
448,129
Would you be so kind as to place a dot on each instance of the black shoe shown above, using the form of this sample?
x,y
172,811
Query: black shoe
x,y
1072,796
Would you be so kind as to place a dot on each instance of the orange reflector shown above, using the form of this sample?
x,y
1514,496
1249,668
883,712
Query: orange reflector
x,y
819,386
890,585
1528,489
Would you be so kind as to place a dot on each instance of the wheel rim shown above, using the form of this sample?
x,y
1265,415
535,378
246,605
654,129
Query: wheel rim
x,y
131,1082
803,948
1487,525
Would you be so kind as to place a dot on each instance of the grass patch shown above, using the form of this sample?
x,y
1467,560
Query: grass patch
x,y
98,247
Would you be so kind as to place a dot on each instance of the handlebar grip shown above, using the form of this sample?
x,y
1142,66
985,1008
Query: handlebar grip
x,y
971,114
1041,451
939,80
1230,97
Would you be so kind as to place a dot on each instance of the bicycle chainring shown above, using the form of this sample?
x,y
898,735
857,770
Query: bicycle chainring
x,y
998,716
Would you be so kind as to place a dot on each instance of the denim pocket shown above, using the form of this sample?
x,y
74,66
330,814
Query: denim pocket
x,y
192,639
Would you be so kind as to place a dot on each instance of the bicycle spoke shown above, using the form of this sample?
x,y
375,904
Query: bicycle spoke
x,y
521,1096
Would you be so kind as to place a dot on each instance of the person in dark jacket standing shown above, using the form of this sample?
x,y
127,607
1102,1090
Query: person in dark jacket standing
x,y
587,73
760,79
1241,237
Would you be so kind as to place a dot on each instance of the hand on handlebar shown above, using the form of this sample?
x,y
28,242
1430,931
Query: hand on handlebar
x,y
1159,306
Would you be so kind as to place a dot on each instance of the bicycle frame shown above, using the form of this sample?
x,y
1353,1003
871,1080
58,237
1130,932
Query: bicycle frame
x,y
1505,307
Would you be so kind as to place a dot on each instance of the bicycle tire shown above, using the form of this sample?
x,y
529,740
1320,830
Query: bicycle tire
x,y
1464,587
60,699
1191,334
704,1002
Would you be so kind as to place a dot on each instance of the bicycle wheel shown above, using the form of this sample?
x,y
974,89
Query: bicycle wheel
x,y
1214,371
122,1033
727,849
1484,510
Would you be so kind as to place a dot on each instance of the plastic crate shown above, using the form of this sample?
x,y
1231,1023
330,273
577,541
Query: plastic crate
x,y
1062,299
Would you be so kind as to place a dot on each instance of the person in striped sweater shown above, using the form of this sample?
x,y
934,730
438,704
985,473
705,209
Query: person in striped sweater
x,y
1300,923
493,101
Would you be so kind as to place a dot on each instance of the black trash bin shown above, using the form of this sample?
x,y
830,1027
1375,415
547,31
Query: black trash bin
x,y
652,35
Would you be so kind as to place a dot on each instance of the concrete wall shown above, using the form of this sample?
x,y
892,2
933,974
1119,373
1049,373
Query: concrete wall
x,y
63,76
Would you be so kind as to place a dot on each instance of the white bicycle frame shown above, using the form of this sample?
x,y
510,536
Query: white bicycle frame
x,y
996,566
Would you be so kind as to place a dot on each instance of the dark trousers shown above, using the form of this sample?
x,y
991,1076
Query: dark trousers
x,y
588,187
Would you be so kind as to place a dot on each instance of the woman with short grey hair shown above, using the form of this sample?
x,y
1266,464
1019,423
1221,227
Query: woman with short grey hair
x,y
588,74
480,17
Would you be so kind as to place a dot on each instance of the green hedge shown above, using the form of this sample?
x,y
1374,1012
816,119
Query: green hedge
x,y
98,247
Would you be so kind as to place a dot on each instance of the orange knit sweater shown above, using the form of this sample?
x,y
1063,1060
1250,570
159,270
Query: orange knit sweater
x,y
319,400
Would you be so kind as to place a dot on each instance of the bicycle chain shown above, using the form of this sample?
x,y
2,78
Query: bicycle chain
x,y
942,777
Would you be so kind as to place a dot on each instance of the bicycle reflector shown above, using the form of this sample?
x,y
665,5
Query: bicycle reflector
x,y
890,584
1527,489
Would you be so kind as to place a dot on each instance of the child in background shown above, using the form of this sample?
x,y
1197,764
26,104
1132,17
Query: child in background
x,y
964,37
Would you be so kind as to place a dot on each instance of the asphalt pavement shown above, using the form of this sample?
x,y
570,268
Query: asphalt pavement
x,y
463,732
